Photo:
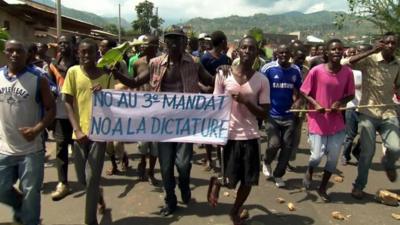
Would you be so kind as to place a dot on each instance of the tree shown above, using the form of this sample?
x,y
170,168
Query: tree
x,y
383,13
146,19
112,28
4,36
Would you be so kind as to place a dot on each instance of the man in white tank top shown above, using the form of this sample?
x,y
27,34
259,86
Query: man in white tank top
x,y
26,108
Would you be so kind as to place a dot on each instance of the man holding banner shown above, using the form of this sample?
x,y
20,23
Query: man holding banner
x,y
80,82
175,71
250,92
148,51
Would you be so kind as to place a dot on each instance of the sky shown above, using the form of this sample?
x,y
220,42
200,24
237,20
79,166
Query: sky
x,y
181,10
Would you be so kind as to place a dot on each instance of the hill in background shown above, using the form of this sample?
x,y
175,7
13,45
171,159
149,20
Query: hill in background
x,y
320,24
87,16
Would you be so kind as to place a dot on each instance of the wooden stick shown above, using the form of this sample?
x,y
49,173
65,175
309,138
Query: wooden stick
x,y
345,108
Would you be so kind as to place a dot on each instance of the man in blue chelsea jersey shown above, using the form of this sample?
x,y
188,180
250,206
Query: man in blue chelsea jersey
x,y
285,81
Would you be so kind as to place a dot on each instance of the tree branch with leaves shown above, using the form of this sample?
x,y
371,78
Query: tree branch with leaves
x,y
383,13
146,19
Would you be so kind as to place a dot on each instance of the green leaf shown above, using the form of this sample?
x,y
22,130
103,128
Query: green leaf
x,y
268,52
4,36
113,56
257,33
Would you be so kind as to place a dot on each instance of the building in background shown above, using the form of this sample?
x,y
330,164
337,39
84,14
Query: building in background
x,y
29,22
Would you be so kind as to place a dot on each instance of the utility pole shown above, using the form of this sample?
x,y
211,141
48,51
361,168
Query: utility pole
x,y
119,23
157,17
157,25
58,18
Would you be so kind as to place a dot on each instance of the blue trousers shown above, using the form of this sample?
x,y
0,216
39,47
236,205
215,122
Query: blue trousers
x,y
179,154
389,131
29,170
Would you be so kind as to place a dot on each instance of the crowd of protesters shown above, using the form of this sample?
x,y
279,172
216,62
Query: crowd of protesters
x,y
340,92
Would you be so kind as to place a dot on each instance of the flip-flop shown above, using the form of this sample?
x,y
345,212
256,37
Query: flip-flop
x,y
213,191
244,214
236,219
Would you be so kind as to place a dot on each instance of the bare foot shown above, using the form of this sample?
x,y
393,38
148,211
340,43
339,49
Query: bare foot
x,y
141,172
101,205
152,180
124,163
213,191
112,171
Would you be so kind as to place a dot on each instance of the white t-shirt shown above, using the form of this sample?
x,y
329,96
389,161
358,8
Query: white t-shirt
x,y
357,96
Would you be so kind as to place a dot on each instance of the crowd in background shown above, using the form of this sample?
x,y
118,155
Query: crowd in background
x,y
347,90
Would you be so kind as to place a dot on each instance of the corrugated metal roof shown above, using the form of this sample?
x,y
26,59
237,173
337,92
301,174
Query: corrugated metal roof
x,y
44,8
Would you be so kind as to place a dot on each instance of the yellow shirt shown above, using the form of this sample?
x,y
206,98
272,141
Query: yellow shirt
x,y
378,83
78,85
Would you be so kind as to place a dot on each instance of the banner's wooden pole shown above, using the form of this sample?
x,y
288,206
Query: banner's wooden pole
x,y
344,108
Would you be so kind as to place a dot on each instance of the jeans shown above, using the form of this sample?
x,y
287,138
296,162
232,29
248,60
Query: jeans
x,y
279,136
179,154
63,136
29,170
389,131
328,145
297,126
89,161
351,132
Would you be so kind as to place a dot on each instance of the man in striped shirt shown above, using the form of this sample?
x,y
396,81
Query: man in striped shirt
x,y
176,71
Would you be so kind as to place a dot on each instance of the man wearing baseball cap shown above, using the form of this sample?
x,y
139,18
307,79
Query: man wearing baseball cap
x,y
175,71
204,45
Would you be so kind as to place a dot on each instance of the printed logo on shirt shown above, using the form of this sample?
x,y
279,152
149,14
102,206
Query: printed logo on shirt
x,y
294,78
11,100
13,95
14,91
276,76
283,85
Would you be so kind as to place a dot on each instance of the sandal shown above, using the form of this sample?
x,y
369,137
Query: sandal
x,y
235,218
213,191
244,214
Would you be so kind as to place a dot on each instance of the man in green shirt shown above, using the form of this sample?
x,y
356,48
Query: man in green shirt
x,y
132,61
136,57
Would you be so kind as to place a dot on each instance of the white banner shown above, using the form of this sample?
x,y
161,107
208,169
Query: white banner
x,y
160,117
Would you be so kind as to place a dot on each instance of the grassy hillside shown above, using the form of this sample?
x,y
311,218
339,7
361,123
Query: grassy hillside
x,y
321,24
87,16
